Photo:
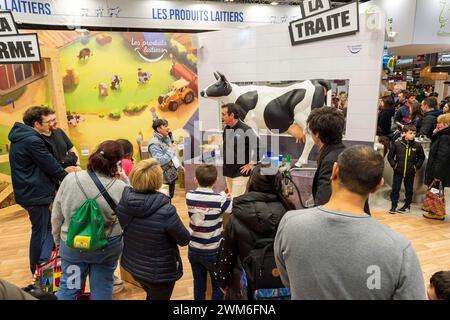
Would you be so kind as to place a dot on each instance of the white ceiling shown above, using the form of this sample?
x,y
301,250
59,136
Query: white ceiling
x,y
281,2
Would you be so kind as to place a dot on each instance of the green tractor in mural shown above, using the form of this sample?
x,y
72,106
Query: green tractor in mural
x,y
179,93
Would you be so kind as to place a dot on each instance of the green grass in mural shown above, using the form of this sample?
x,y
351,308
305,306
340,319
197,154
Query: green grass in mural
x,y
15,95
4,131
106,61
5,168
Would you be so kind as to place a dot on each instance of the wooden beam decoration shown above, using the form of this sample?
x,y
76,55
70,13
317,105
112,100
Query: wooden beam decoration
x,y
6,193
14,209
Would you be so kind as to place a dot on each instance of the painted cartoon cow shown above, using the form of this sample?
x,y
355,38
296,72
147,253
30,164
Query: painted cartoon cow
x,y
285,109
114,11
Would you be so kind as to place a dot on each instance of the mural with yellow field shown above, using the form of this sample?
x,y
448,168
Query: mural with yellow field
x,y
115,84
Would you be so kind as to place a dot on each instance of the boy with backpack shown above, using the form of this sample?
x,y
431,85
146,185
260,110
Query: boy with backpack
x,y
206,209
406,156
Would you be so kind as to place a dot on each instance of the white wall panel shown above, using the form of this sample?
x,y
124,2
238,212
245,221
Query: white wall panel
x,y
269,56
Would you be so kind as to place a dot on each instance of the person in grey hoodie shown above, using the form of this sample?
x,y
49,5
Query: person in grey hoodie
x,y
75,189
34,173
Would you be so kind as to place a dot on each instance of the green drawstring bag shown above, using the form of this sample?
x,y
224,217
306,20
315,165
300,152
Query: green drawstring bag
x,y
87,226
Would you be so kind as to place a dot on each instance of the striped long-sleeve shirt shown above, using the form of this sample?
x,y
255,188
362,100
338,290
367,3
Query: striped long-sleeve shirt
x,y
206,208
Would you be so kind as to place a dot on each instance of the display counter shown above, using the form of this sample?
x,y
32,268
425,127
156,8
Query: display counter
x,y
302,177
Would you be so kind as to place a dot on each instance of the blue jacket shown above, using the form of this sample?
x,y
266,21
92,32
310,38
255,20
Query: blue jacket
x,y
402,115
34,170
160,148
152,232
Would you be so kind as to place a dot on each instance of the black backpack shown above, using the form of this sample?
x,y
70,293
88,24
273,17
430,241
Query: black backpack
x,y
263,276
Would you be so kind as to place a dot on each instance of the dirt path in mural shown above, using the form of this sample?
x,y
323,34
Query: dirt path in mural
x,y
8,115
94,130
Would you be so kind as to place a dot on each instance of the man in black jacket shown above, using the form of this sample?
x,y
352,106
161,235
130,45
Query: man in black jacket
x,y
405,157
240,150
326,126
430,114
34,172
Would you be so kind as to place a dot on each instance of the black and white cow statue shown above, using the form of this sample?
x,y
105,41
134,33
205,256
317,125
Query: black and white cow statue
x,y
278,109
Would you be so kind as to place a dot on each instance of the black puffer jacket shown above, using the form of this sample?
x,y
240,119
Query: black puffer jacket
x,y
152,232
385,121
255,216
438,166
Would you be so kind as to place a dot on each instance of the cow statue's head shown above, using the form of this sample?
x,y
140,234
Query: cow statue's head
x,y
221,88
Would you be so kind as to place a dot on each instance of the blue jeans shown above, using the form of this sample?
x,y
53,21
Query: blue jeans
x,y
99,264
201,263
41,242
396,186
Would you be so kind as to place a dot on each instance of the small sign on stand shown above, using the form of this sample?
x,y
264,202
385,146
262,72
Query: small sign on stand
x,y
324,24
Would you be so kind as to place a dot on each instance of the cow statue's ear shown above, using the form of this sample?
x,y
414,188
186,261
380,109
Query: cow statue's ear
x,y
216,75
222,77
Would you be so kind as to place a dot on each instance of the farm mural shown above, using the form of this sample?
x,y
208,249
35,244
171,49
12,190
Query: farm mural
x,y
114,85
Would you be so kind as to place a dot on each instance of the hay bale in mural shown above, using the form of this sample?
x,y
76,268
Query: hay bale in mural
x,y
71,79
103,39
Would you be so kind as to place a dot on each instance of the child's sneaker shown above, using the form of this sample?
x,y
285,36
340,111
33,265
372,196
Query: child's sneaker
x,y
404,209
393,209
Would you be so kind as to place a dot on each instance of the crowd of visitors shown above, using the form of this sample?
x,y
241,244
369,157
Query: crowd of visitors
x,y
405,120
334,250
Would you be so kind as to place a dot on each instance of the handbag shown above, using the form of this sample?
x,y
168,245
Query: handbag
x,y
47,275
170,172
434,199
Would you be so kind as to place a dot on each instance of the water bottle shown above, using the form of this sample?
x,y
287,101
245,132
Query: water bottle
x,y
288,160
274,162
266,160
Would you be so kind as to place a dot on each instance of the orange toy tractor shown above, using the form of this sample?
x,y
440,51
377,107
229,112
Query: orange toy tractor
x,y
179,93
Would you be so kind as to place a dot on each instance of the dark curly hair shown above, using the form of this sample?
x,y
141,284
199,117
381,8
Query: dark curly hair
x,y
105,159
440,281
328,122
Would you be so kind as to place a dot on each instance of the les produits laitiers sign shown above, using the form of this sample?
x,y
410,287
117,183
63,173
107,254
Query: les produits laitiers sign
x,y
320,22
14,47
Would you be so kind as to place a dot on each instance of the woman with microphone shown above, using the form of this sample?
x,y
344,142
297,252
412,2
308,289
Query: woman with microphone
x,y
162,148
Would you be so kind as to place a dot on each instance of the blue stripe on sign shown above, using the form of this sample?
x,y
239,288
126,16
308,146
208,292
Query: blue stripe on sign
x,y
203,204
207,241
205,229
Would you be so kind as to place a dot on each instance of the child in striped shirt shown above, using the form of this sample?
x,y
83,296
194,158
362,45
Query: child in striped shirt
x,y
206,209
